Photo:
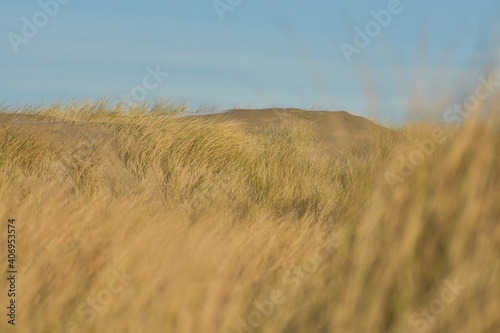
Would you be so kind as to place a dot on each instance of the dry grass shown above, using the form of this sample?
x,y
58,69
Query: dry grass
x,y
219,230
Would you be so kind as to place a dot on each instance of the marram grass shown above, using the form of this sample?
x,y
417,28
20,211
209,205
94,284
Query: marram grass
x,y
139,222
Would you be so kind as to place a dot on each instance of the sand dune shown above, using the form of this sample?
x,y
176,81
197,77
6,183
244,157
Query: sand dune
x,y
81,141
333,129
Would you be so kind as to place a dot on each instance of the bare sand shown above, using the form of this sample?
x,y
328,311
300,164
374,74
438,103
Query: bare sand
x,y
334,129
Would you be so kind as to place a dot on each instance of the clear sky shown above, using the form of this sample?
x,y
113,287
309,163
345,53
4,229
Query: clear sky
x,y
247,52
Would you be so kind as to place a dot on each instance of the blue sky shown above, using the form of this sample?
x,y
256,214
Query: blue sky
x,y
282,53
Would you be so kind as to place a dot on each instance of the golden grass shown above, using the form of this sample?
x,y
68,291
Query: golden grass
x,y
212,229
